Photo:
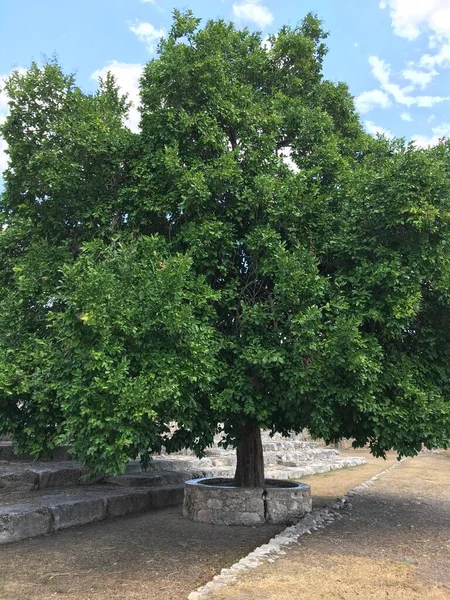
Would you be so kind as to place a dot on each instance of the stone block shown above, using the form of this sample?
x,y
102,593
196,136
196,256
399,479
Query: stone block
x,y
23,521
118,505
214,503
252,518
147,479
170,495
255,504
204,515
68,511
18,479
63,476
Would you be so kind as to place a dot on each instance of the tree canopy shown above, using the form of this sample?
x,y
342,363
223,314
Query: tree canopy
x,y
250,259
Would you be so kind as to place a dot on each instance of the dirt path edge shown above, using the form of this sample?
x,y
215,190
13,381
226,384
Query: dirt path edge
x,y
270,552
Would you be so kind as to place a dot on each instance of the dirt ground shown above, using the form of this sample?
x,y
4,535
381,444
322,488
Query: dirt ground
x,y
394,542
161,556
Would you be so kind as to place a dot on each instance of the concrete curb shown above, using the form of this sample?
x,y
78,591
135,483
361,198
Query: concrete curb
x,y
271,551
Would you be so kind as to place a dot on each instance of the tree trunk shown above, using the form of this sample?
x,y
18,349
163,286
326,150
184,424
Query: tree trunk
x,y
250,459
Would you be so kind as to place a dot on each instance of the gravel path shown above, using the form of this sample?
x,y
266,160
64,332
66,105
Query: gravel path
x,y
392,542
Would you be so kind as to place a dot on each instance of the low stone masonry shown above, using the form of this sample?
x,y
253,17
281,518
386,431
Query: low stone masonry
x,y
40,513
218,501
223,504
287,505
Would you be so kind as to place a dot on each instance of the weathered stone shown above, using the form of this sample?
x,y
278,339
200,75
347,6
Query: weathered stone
x,y
204,516
23,521
214,503
169,495
124,504
148,478
62,476
13,479
68,511
219,502
251,518
22,477
288,505
254,504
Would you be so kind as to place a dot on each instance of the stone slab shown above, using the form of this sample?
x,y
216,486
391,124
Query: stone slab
x,y
58,454
37,513
14,478
23,476
23,521
69,511
148,478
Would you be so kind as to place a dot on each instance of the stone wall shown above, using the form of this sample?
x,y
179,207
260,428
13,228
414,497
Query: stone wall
x,y
287,505
217,501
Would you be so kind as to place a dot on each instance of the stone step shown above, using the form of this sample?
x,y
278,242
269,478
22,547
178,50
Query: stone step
x,y
227,458
268,446
313,468
276,471
271,445
38,513
150,478
292,458
27,477
58,454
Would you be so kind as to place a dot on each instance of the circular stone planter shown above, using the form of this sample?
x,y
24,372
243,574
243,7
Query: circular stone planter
x,y
217,500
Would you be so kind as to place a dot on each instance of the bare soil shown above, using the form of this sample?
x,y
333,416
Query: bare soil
x,y
161,556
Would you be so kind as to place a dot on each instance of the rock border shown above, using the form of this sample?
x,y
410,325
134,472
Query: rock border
x,y
270,552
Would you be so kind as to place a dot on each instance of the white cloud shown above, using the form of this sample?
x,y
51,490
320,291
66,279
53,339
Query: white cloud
x,y
381,70
147,34
406,117
127,76
420,78
253,11
410,18
439,132
374,129
148,1
441,59
367,101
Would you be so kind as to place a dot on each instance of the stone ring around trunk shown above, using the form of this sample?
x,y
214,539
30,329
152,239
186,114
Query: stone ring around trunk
x,y
217,500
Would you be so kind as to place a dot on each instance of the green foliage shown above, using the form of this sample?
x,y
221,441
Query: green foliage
x,y
192,274
132,351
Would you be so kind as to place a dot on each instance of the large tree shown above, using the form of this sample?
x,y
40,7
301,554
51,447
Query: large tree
x,y
274,267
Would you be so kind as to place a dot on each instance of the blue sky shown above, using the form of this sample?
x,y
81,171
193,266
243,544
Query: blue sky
x,y
394,54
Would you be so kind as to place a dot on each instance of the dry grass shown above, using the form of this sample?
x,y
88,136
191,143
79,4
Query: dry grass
x,y
394,544
330,486
161,556
335,578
